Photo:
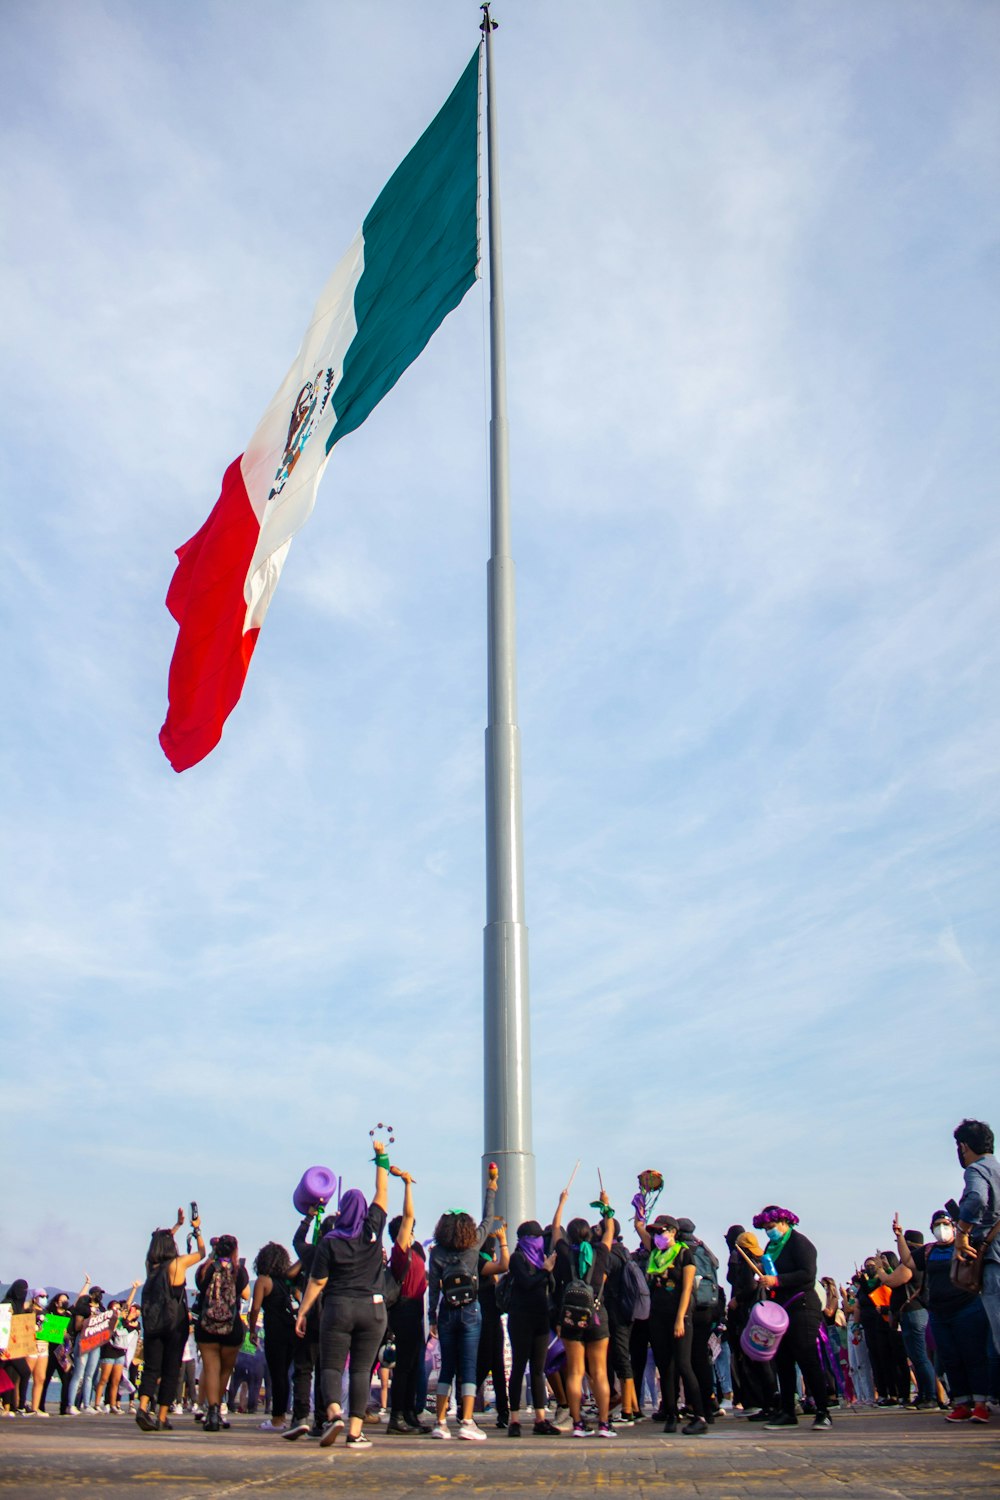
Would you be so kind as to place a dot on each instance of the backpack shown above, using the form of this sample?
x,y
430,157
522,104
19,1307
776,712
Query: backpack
x,y
633,1294
160,1311
220,1299
579,1305
706,1276
503,1291
459,1287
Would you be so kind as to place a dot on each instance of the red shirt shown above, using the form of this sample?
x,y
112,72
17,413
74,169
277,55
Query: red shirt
x,y
413,1276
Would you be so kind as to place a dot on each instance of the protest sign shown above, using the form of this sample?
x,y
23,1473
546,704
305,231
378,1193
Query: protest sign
x,y
21,1339
53,1329
97,1330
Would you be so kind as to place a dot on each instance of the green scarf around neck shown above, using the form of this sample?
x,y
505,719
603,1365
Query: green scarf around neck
x,y
660,1261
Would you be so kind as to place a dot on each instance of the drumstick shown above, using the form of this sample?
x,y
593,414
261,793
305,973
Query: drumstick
x,y
754,1268
600,1179
573,1174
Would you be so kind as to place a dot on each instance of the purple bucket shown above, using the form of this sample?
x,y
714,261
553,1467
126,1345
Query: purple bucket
x,y
317,1185
766,1324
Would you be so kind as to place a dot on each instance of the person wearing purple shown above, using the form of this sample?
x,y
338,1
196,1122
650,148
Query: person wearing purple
x,y
528,1324
347,1273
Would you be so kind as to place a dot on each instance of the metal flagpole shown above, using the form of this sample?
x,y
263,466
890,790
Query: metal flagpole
x,y
506,1024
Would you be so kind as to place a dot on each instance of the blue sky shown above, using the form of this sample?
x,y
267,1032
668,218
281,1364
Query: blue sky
x,y
751,265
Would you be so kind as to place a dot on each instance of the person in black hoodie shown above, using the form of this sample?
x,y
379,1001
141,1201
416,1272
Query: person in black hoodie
x,y
793,1285
528,1324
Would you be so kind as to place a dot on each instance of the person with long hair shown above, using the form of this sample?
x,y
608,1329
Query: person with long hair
x,y
407,1265
58,1363
793,1286
579,1258
453,1309
347,1272
531,1284
112,1366
222,1281
272,1296
670,1271
164,1323
86,1363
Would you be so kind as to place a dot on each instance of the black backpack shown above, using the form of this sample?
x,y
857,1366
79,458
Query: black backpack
x,y
706,1276
160,1311
459,1287
503,1289
579,1305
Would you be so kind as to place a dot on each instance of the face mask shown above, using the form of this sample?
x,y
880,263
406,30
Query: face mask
x,y
661,1242
774,1234
943,1233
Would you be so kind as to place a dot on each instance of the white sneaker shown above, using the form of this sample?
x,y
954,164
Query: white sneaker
x,y
41,1413
224,1410
440,1430
88,1411
471,1432
196,1410
177,1409
269,1426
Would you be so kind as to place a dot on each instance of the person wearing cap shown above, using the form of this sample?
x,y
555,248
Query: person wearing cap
x,y
958,1319
670,1271
703,1315
792,1285
113,1355
909,1305
757,1383
87,1364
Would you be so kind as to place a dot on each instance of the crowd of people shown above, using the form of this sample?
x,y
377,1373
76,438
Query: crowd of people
x,y
586,1334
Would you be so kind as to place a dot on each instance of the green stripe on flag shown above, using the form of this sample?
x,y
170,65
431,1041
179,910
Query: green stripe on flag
x,y
421,251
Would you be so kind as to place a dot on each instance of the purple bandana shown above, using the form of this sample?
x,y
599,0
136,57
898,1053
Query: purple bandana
x,y
532,1247
661,1242
351,1216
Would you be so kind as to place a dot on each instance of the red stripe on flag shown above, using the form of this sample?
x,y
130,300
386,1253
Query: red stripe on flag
x,y
212,654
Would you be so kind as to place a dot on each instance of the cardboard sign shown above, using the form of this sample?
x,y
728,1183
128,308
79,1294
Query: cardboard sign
x,y
97,1330
6,1313
53,1329
21,1339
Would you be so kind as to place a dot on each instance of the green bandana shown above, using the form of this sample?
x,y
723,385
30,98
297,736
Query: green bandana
x,y
774,1248
584,1258
660,1261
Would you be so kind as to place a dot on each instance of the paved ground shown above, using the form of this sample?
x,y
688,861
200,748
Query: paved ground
x,y
867,1456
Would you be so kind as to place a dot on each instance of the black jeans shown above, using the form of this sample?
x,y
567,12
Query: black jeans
x,y
529,1344
798,1347
638,1348
673,1356
352,1326
280,1348
702,1319
56,1370
406,1320
489,1357
162,1357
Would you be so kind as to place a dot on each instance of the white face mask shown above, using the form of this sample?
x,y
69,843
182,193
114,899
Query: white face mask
x,y
943,1233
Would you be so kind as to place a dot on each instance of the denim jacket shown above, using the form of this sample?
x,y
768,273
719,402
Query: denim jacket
x,y
980,1203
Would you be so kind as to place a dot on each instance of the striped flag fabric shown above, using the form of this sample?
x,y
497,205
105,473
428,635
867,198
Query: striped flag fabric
x,y
412,261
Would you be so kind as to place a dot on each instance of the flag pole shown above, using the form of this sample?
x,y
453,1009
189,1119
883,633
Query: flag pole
x,y
506,1022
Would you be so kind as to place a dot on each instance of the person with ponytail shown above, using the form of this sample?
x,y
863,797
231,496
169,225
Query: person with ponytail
x,y
582,1262
528,1325
347,1272
670,1271
792,1284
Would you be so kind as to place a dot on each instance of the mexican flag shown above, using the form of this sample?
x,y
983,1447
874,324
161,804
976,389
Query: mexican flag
x,y
412,261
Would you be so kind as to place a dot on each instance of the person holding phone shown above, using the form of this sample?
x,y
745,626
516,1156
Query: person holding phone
x,y
164,1323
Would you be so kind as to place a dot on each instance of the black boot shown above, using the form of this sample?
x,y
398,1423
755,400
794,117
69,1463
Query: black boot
x,y
211,1423
412,1420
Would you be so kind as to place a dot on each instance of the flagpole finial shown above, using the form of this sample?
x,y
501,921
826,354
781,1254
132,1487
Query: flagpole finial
x,y
488,23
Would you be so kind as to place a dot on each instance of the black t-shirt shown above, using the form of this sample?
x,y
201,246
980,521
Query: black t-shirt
x,y
567,1263
944,1298
529,1292
352,1268
668,1282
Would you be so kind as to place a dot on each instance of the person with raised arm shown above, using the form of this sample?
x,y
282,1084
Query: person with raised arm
x,y
164,1322
347,1272
581,1269
531,1284
453,1309
670,1271
408,1267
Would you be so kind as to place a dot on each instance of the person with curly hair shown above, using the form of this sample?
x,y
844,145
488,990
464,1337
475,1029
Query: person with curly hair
x,y
219,1330
272,1296
792,1284
454,1313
